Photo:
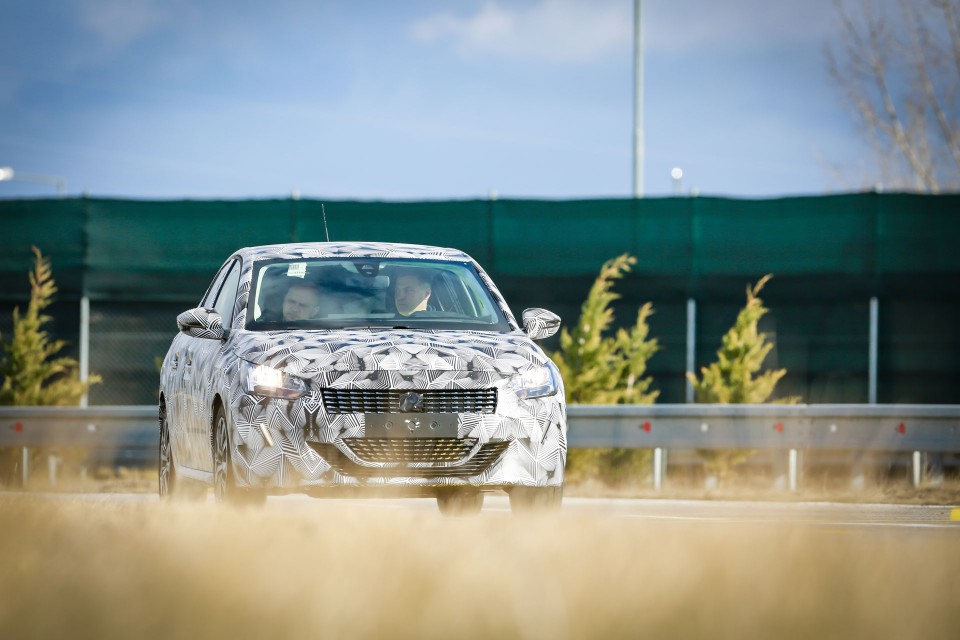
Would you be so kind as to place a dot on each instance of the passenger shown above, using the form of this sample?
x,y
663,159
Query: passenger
x,y
412,292
302,302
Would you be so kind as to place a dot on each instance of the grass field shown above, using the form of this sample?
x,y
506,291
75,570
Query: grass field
x,y
81,569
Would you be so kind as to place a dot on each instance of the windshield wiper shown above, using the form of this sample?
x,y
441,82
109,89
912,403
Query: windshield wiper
x,y
377,326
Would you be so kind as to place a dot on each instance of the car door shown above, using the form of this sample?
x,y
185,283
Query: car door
x,y
180,403
204,370
186,426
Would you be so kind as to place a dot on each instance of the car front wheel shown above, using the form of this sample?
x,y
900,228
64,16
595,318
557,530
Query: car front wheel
x,y
172,485
225,489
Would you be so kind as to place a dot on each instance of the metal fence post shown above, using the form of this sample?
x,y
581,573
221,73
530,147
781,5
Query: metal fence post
x,y
691,347
84,363
874,350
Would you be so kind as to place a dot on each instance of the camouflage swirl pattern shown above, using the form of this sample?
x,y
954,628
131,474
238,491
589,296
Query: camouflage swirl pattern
x,y
297,443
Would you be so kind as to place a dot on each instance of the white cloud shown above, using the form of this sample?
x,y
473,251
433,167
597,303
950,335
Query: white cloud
x,y
551,30
587,30
681,26
118,23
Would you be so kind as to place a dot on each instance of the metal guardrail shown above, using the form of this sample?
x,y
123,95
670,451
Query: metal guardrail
x,y
106,427
842,427
128,435
113,435
918,429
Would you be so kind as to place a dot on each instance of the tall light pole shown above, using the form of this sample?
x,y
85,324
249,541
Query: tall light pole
x,y
7,173
637,99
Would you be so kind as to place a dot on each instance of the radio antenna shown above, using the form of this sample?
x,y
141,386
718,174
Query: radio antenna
x,y
325,230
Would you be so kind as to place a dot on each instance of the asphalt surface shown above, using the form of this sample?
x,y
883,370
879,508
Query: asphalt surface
x,y
715,513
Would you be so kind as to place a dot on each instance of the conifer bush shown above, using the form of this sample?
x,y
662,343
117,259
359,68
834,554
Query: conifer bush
x,y
599,368
734,377
31,371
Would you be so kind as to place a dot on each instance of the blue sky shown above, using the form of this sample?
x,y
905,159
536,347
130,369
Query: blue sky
x,y
419,99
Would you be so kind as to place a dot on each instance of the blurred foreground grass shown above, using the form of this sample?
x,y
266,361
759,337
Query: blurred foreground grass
x,y
118,569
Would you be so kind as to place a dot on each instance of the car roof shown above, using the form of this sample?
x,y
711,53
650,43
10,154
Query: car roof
x,y
295,250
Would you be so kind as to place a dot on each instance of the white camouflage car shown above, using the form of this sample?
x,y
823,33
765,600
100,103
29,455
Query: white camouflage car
x,y
361,368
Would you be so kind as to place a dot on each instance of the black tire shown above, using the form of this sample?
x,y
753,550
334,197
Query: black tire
x,y
459,502
171,485
225,489
535,499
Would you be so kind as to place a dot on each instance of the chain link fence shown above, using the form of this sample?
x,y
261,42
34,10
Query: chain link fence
x,y
127,343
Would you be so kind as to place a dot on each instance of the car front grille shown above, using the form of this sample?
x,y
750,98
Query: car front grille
x,y
398,454
410,450
388,400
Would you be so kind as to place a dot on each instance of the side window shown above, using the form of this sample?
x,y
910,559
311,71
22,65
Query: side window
x,y
214,289
228,294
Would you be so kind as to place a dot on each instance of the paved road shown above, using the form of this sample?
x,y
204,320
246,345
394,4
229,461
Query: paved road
x,y
655,510
712,512
863,515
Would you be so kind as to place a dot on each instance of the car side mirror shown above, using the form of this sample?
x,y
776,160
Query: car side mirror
x,y
540,323
201,323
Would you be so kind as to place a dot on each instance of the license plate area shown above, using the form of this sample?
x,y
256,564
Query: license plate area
x,y
411,425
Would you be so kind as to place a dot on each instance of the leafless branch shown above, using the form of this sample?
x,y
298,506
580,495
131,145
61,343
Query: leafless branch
x,y
899,76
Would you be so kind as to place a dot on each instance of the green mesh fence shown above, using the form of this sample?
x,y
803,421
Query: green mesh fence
x,y
140,263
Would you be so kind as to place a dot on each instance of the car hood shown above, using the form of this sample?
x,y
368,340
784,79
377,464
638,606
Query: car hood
x,y
308,353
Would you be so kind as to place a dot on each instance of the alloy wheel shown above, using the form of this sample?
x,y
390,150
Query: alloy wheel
x,y
221,457
165,469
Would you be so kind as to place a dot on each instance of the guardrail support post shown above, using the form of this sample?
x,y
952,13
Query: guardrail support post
x,y
52,469
25,467
793,470
917,469
657,469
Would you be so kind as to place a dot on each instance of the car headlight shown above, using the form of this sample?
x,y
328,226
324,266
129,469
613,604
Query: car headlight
x,y
535,383
261,380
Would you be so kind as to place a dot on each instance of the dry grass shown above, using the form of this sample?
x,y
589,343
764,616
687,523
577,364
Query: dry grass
x,y
332,569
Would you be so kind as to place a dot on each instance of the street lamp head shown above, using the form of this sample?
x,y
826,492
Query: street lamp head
x,y
7,173
676,173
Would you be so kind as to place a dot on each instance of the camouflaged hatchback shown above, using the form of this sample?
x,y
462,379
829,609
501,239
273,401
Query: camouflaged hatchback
x,y
361,368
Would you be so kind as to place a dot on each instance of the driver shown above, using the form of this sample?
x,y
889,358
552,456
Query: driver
x,y
412,292
302,302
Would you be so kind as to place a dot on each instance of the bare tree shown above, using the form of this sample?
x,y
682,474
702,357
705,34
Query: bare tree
x,y
897,67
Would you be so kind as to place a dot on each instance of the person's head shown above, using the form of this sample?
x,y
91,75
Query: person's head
x,y
302,302
412,292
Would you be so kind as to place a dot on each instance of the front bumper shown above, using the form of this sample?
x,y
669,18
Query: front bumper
x,y
297,445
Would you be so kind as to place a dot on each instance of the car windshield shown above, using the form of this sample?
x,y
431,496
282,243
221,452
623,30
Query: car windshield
x,y
370,293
